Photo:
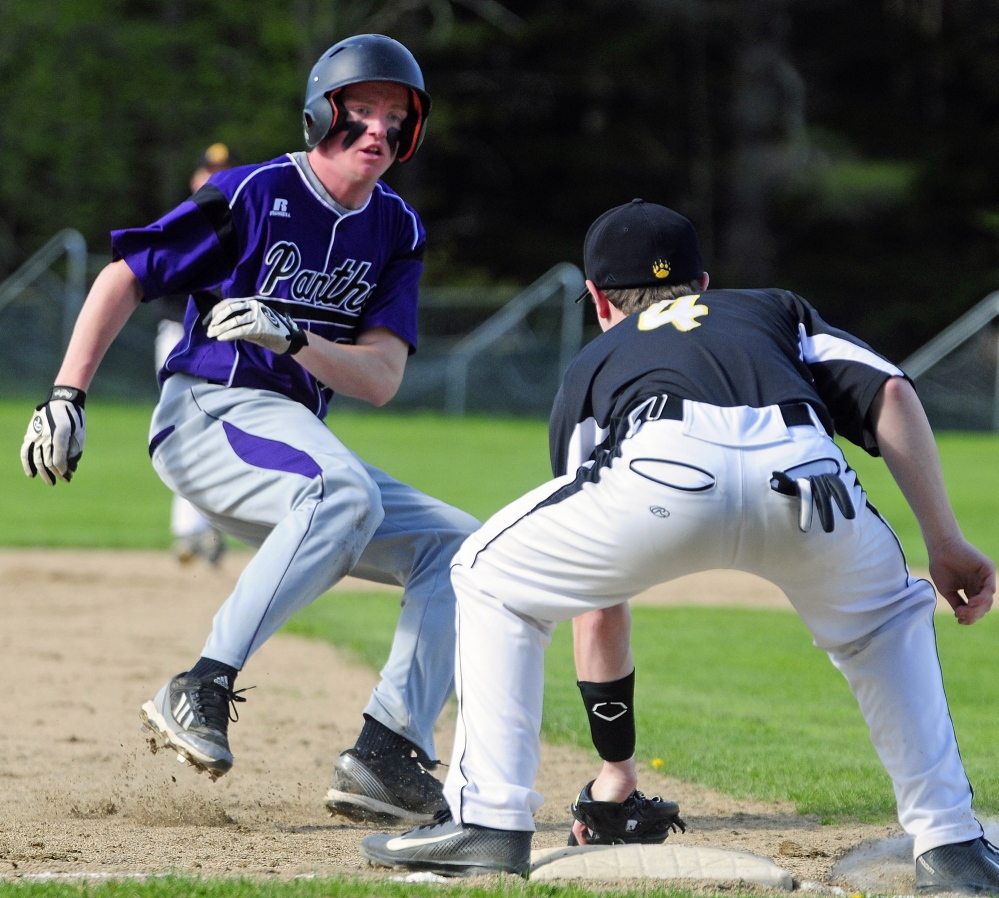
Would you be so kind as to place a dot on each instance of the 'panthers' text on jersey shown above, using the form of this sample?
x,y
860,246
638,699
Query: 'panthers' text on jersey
x,y
726,348
271,231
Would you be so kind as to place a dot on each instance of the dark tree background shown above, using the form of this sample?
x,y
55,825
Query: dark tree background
x,y
841,148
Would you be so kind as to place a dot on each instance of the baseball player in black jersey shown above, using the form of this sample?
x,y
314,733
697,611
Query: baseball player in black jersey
x,y
697,433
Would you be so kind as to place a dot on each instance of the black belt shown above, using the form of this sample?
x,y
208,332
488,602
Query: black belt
x,y
793,413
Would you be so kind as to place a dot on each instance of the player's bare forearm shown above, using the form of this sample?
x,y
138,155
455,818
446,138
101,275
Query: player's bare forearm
x,y
910,452
615,782
114,296
964,576
370,370
602,644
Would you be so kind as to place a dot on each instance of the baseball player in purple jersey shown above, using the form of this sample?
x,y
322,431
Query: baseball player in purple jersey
x,y
696,433
302,274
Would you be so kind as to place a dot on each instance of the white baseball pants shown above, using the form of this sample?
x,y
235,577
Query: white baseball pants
x,y
687,496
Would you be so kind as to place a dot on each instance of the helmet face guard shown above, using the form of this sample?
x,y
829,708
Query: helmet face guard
x,y
365,57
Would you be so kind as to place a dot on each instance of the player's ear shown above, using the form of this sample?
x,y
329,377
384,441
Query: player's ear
x,y
600,301
704,280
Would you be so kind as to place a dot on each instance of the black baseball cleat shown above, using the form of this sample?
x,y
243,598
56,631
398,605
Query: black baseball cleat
x,y
450,848
636,820
191,715
396,788
968,867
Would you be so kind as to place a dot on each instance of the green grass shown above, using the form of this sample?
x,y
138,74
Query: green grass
x,y
477,464
362,622
971,470
758,742
738,700
346,887
117,501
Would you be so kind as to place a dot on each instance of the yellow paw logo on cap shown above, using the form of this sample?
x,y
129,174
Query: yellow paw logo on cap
x,y
660,268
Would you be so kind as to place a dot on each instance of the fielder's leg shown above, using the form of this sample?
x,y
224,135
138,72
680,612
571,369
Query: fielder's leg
x,y
566,548
499,676
497,836
853,591
895,675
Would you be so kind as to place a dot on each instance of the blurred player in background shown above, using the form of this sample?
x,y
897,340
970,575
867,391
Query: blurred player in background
x,y
193,536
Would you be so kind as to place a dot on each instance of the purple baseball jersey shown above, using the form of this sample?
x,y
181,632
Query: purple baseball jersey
x,y
271,231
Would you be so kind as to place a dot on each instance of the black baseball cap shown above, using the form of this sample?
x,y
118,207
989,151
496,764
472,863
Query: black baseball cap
x,y
641,244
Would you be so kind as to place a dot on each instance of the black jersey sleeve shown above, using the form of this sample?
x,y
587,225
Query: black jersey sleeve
x,y
573,431
848,374
557,442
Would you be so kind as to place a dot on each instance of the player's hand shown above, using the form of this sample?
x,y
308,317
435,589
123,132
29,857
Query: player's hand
x,y
53,445
957,567
250,319
637,819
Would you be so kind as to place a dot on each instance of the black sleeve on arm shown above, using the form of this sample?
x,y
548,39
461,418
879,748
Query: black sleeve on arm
x,y
558,434
851,409
212,202
847,372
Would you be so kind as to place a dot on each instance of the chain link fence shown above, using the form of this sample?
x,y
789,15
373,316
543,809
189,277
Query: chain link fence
x,y
495,350
481,350
956,373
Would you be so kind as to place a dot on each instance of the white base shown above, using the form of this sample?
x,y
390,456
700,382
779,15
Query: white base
x,y
613,862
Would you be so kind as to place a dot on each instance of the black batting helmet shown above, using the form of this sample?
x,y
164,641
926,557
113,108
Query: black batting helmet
x,y
365,57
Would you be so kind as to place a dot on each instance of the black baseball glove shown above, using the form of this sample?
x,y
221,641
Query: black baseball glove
x,y
637,819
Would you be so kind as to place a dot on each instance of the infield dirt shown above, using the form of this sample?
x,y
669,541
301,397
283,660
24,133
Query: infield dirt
x,y
87,637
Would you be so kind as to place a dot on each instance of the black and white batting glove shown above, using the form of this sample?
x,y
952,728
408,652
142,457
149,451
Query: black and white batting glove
x,y
250,319
53,445
817,492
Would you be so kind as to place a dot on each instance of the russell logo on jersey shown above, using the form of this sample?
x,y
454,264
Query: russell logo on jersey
x,y
280,208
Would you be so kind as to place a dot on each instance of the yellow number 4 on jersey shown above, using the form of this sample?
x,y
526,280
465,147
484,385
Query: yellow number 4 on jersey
x,y
682,313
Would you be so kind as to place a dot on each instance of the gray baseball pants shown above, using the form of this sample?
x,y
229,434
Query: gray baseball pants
x,y
267,471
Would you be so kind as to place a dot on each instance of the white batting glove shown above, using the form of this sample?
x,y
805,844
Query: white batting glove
x,y
53,445
250,319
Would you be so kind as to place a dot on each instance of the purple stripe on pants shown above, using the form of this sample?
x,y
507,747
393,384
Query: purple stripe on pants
x,y
271,454
154,443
